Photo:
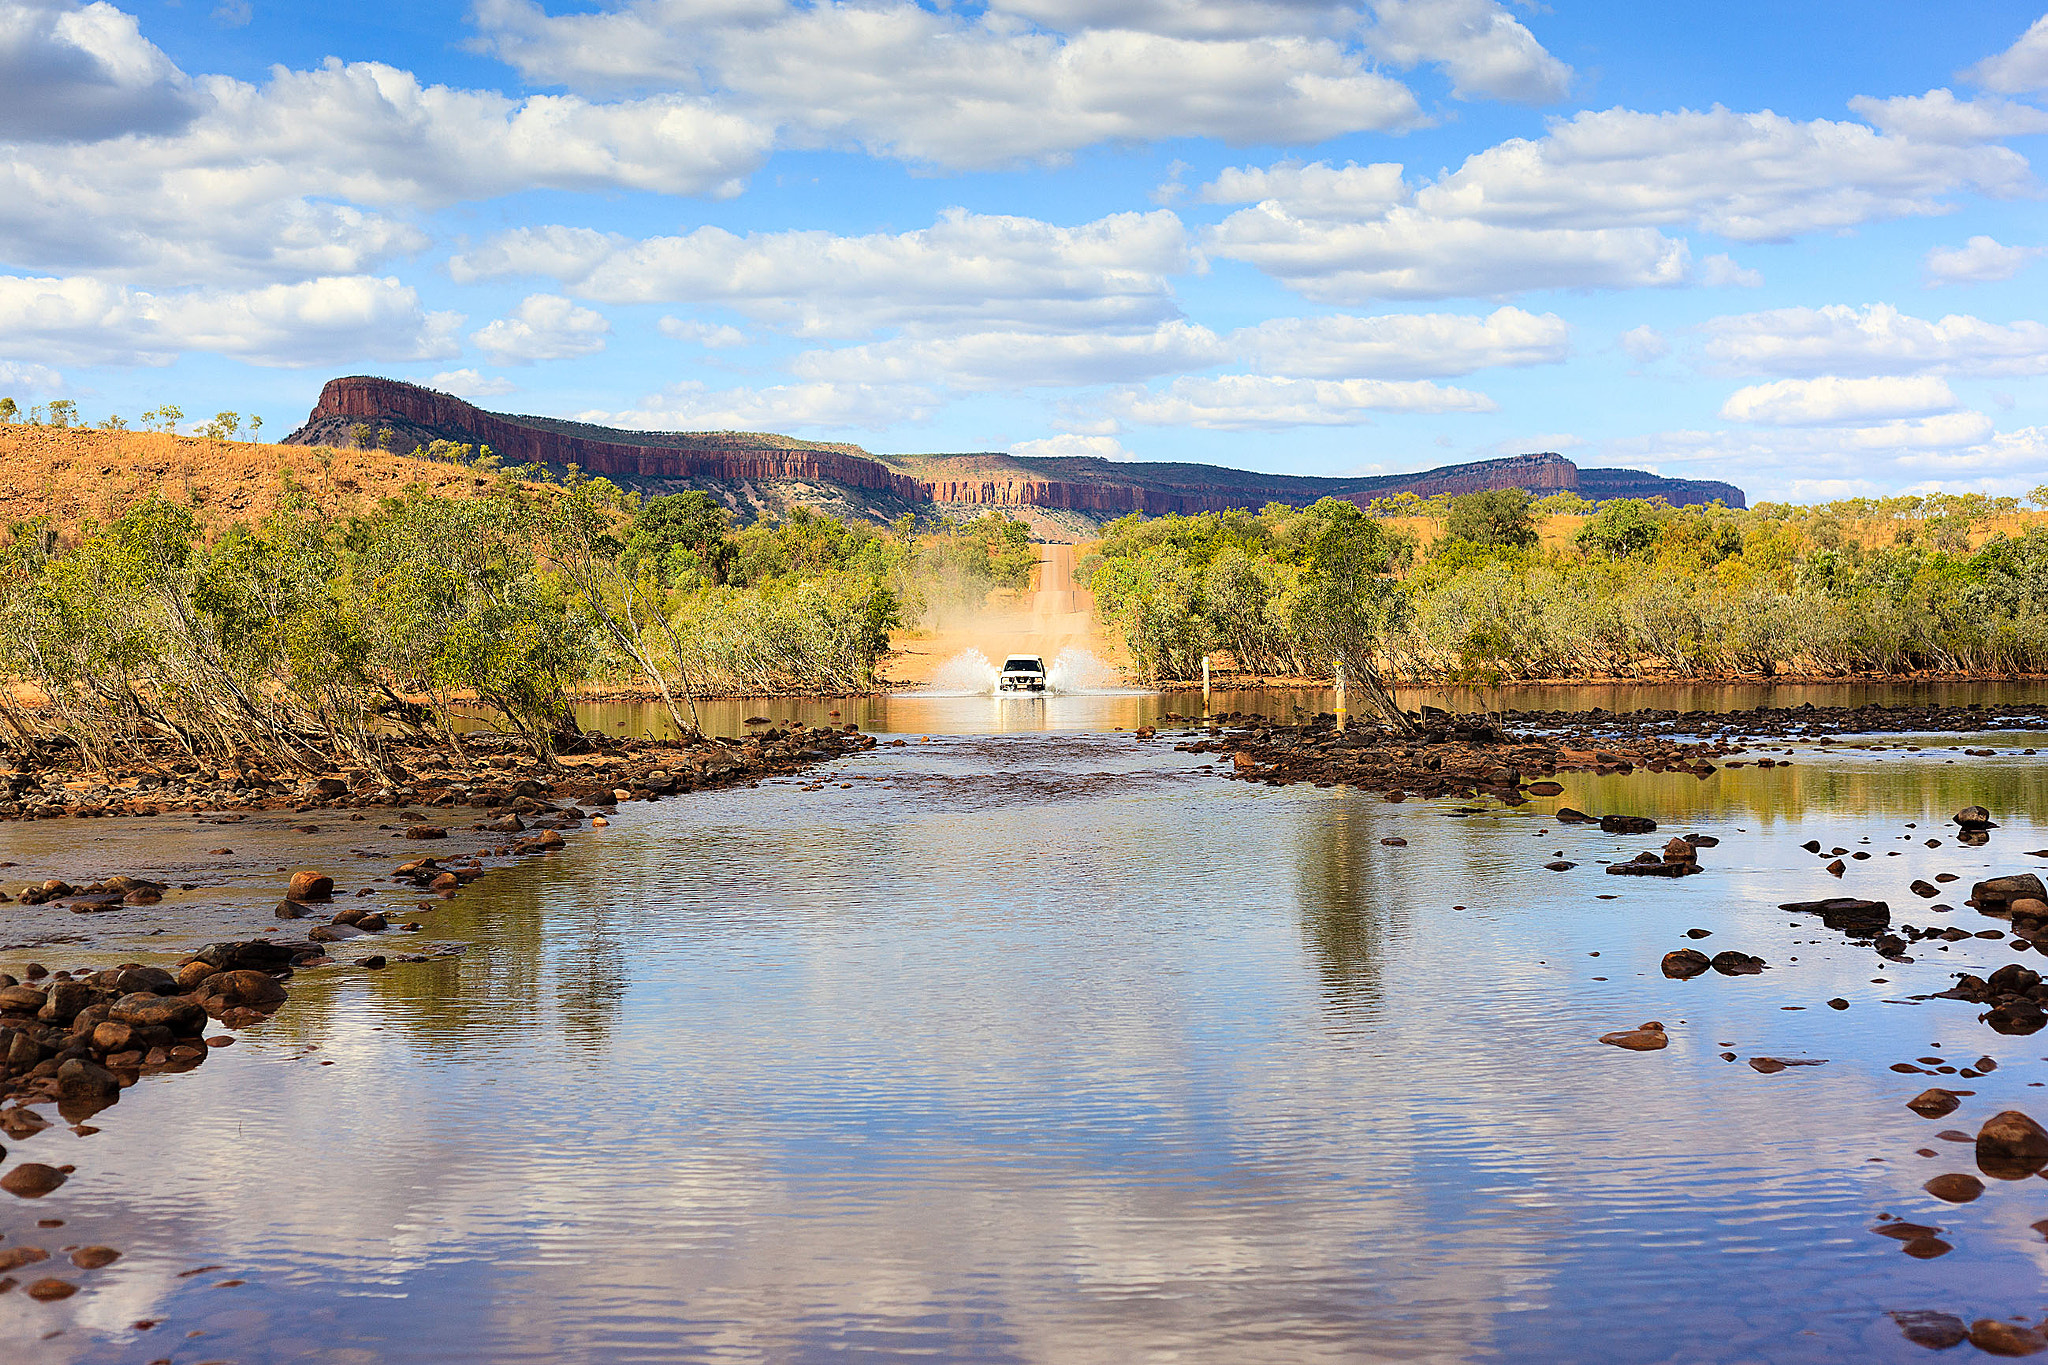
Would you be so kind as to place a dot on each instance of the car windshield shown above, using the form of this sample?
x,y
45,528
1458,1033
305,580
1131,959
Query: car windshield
x,y
1022,666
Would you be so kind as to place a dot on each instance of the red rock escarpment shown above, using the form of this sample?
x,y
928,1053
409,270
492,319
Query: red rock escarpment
x,y
422,413
1094,487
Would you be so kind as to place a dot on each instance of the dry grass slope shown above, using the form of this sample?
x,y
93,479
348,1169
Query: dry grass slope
x,y
76,475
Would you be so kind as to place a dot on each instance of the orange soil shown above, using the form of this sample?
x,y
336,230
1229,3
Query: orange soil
x,y
1049,616
75,475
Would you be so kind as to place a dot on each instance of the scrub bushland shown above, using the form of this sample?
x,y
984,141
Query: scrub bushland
x,y
1943,583
308,633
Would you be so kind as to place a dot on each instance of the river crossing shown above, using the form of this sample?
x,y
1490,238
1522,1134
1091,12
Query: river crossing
x,y
1030,1040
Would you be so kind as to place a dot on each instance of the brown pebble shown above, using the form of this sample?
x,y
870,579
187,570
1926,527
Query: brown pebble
x,y
50,1290
1649,1038
93,1258
1989,1335
31,1180
1934,1104
1955,1188
1935,1331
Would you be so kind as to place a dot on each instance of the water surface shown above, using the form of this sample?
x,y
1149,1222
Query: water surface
x,y
1051,1045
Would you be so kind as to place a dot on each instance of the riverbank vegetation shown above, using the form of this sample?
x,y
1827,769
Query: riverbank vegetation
x,y
1484,589
287,639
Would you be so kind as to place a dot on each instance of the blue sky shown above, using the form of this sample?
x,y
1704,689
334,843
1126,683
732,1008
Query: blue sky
x,y
1795,247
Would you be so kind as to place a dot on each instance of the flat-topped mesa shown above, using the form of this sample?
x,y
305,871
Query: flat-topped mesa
x,y
1088,486
1094,485
418,416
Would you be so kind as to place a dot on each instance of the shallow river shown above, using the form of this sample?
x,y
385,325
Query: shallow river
x,y
1051,1046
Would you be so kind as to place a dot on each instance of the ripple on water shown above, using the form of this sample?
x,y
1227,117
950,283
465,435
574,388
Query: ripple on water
x,y
1046,1048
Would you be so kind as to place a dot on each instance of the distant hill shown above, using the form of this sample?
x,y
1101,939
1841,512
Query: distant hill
x,y
1064,497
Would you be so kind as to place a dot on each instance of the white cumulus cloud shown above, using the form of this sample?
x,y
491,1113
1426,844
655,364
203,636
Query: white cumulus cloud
x,y
543,327
1588,204
954,89
1721,272
1834,401
1407,254
1981,260
711,336
1071,444
1404,345
2021,67
1249,402
1645,344
470,383
72,73
1010,360
967,272
321,171
81,320
1938,116
1484,49
16,377
1875,340
692,406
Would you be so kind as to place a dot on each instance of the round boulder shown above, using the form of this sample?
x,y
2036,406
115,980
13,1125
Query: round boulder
x,y
174,1012
1974,817
310,886
254,990
2011,1146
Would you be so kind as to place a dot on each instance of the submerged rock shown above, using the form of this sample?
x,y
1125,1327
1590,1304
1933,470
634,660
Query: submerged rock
x,y
2011,1146
1955,1188
1685,964
1648,1038
1974,817
1995,895
309,886
1935,1331
84,1088
32,1180
1934,1103
1848,915
1997,1338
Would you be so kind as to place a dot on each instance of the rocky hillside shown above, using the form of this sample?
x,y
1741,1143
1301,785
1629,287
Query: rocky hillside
x,y
756,472
73,475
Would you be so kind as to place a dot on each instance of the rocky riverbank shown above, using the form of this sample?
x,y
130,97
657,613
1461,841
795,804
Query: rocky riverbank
x,y
1497,756
490,771
78,1038
1510,757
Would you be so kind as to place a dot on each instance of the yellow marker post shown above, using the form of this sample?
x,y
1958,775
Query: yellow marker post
x,y
1340,694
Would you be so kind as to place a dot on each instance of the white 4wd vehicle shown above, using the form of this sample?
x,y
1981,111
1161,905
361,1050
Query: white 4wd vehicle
x,y
1022,673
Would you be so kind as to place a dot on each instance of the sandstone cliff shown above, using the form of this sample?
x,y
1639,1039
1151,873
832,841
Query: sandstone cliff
x,y
743,466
